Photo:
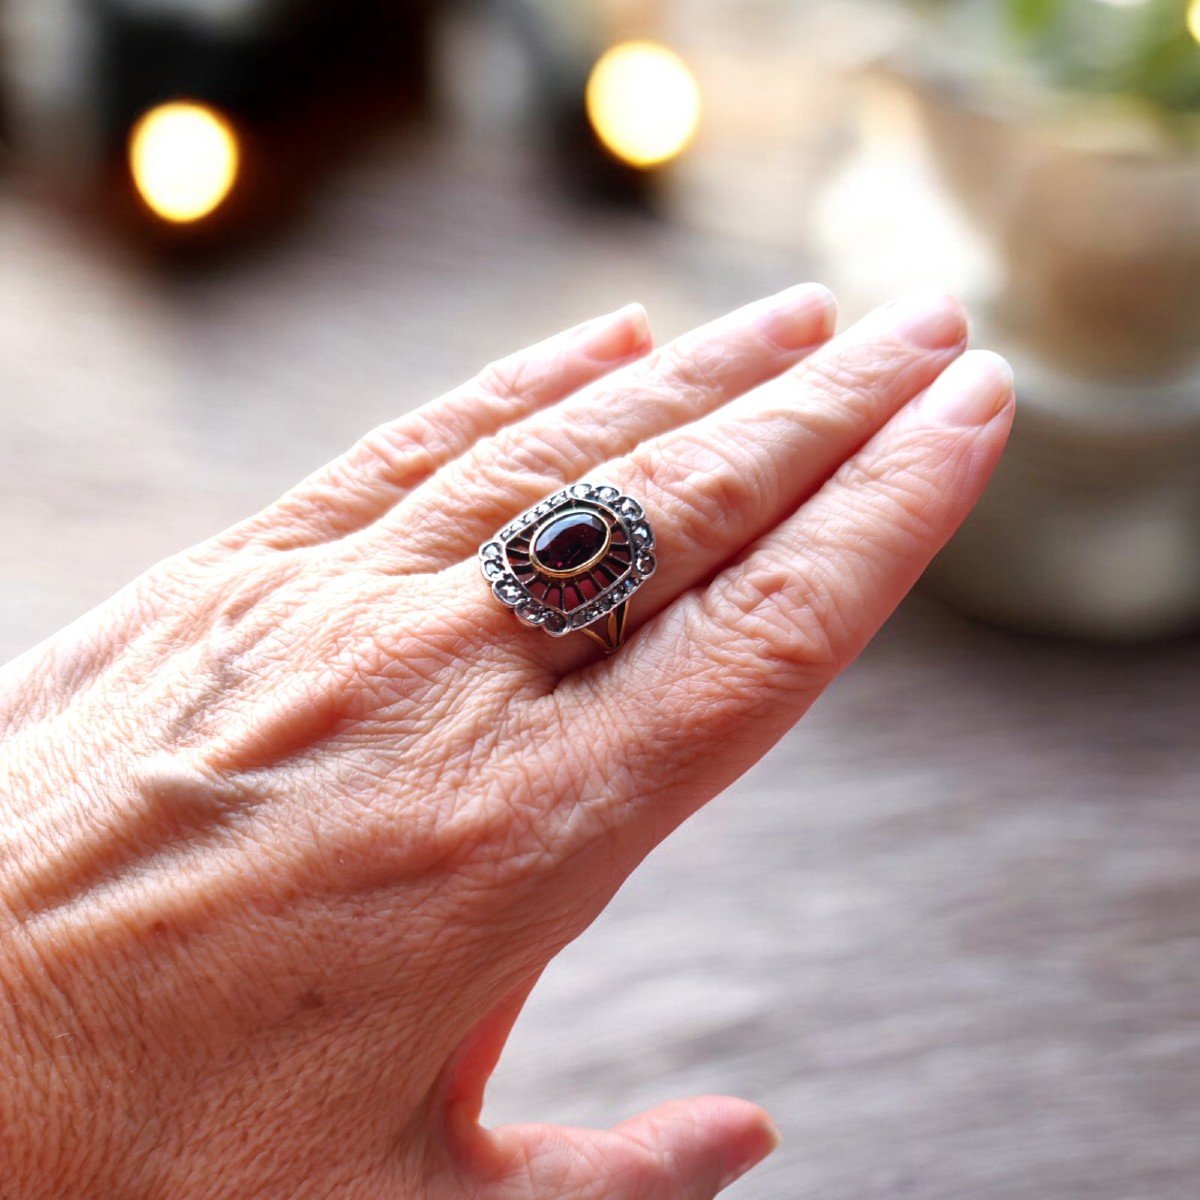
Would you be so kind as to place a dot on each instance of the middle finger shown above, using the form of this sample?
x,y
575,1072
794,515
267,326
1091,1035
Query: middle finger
x,y
444,520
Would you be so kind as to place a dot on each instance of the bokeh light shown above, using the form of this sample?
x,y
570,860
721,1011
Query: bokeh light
x,y
184,160
1193,19
643,102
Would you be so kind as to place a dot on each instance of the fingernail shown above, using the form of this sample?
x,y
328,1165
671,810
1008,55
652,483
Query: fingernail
x,y
617,336
928,320
750,1155
774,1138
970,391
802,316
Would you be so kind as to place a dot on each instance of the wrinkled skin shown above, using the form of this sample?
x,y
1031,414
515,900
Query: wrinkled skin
x,y
289,827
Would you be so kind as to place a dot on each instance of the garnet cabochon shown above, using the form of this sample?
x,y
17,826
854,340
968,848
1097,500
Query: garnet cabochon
x,y
570,542
571,557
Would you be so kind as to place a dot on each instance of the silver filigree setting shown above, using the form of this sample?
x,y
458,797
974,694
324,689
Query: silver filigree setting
x,y
562,605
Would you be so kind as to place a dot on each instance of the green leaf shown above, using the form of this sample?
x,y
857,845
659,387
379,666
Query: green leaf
x,y
1169,73
1032,17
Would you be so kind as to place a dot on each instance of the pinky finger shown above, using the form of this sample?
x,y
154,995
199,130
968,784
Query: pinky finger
x,y
745,658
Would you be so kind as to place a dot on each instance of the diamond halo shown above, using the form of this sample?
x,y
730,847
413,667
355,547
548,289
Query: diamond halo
x,y
563,601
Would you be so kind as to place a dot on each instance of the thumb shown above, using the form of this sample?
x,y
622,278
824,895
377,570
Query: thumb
x,y
684,1150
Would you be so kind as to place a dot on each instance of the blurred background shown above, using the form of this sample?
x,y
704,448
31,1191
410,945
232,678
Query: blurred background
x,y
949,932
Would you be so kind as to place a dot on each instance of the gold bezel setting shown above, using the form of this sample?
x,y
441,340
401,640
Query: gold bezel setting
x,y
583,567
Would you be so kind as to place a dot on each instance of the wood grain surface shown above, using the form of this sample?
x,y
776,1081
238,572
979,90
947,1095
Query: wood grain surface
x,y
948,932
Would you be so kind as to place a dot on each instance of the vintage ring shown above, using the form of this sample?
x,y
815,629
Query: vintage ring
x,y
572,562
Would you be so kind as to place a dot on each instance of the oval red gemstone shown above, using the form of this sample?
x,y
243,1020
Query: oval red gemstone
x,y
570,541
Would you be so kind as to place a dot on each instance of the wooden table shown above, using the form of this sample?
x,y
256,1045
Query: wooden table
x,y
949,932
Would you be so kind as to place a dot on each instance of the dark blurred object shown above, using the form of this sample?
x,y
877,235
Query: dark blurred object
x,y
296,82
563,44
301,82
203,123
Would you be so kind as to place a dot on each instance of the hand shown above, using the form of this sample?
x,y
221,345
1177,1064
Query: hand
x,y
289,827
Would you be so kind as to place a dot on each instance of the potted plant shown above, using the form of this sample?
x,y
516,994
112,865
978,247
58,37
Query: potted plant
x,y
1066,138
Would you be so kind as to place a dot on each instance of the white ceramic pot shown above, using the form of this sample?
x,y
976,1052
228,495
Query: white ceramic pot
x,y
1092,525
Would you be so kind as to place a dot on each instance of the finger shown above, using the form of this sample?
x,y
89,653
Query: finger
x,y
715,485
715,680
393,459
444,521
700,1146
684,1150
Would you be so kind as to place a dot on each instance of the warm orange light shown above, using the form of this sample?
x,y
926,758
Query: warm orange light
x,y
643,102
184,160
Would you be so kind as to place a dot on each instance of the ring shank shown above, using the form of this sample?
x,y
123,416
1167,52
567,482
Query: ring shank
x,y
609,633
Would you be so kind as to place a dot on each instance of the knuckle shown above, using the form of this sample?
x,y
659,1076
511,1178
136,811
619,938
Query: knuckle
x,y
862,375
505,379
695,364
516,466
403,449
708,493
908,484
784,612
516,454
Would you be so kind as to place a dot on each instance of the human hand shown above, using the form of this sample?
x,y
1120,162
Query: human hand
x,y
290,826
